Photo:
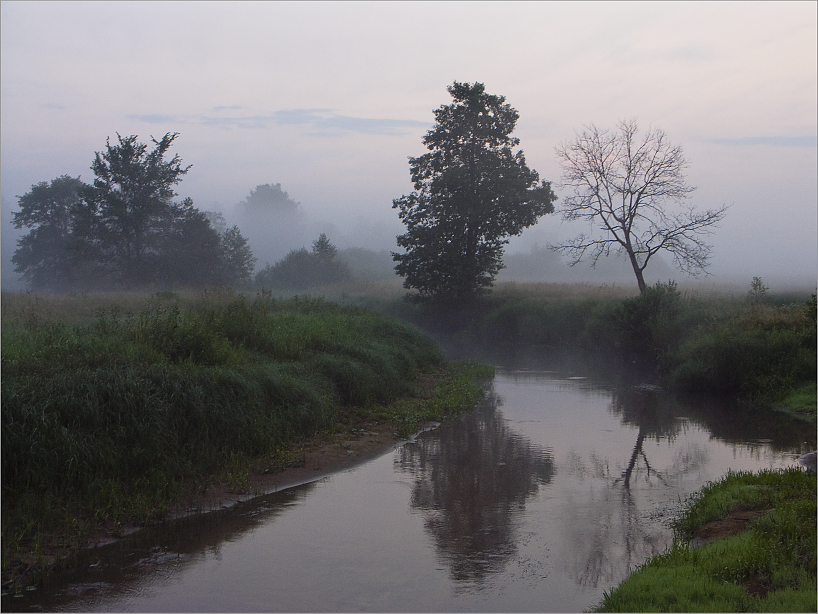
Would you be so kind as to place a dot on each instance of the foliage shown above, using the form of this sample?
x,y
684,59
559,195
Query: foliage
x,y
471,193
131,203
628,186
758,291
768,568
302,269
269,197
125,231
48,255
237,258
123,414
761,354
648,324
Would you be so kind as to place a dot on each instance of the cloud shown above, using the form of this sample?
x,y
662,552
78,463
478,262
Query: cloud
x,y
324,121
778,141
372,126
234,107
158,118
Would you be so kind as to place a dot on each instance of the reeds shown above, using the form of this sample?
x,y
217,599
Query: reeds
x,y
122,413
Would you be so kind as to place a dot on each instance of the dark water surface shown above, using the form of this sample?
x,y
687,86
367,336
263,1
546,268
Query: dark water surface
x,y
543,498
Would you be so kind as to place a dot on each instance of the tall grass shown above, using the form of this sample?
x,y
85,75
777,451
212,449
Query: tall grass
x,y
122,413
761,349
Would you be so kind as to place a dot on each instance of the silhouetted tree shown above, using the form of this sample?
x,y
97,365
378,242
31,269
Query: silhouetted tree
x,y
49,255
131,201
238,259
269,198
471,193
125,230
191,253
627,186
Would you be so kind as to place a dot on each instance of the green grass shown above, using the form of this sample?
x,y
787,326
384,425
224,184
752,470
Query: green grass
x,y
801,402
760,351
770,567
115,417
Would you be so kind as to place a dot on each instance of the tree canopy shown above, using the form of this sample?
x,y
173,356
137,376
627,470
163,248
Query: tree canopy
x,y
125,230
634,190
48,255
471,193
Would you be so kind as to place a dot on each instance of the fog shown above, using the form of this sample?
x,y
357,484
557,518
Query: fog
x,y
330,100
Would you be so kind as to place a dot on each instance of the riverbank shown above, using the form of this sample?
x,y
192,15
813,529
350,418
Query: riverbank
x,y
755,348
746,543
126,420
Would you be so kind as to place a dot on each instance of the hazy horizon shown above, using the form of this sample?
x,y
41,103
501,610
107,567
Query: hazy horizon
x,y
331,99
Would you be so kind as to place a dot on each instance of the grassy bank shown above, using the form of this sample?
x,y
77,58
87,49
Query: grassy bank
x,y
768,567
760,349
115,406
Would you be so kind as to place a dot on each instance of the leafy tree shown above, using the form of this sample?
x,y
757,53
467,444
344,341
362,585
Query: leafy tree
x,y
323,249
237,257
48,255
268,198
471,193
302,269
131,203
272,220
633,189
190,254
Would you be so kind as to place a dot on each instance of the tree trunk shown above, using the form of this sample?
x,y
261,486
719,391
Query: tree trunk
x,y
640,278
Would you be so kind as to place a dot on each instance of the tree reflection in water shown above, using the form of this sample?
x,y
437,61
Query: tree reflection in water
x,y
612,537
471,482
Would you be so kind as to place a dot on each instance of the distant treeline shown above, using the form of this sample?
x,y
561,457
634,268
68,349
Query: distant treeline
x,y
125,231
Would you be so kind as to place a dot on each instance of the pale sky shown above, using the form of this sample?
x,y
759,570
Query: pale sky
x,y
330,99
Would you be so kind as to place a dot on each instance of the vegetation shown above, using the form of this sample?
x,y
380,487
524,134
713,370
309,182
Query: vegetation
x,y
628,188
124,230
471,193
301,269
114,416
758,351
770,567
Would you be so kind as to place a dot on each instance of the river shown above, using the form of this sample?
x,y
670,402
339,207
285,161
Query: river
x,y
548,494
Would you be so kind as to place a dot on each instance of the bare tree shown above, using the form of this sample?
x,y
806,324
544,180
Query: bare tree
x,y
634,190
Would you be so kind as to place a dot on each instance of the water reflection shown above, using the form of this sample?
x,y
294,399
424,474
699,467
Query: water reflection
x,y
145,561
544,497
471,482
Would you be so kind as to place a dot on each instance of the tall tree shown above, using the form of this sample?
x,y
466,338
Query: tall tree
x,y
48,256
272,221
190,254
471,193
131,201
633,189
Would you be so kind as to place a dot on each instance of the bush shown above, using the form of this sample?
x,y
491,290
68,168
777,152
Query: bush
x,y
759,355
302,269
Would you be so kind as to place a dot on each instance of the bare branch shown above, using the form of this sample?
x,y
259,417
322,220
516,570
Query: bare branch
x,y
629,188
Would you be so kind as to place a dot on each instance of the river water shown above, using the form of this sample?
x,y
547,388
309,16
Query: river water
x,y
548,494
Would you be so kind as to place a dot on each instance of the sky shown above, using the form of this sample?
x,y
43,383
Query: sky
x,y
331,99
